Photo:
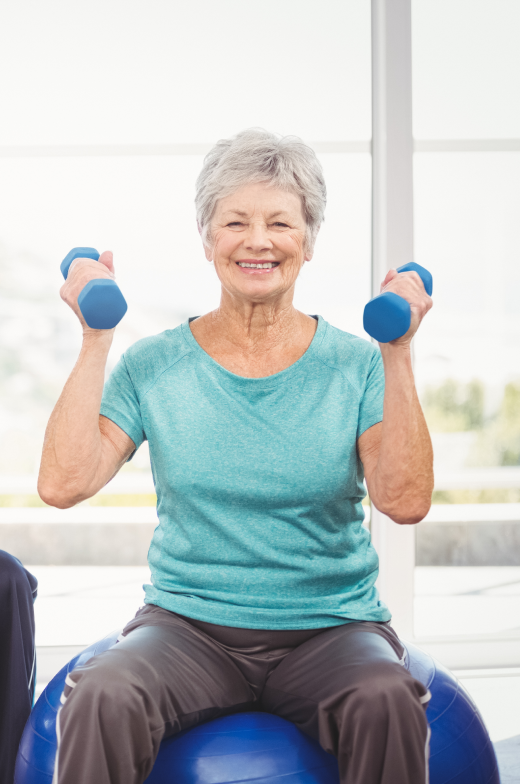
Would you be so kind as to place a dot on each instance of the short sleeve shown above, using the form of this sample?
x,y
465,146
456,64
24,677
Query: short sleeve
x,y
371,405
121,404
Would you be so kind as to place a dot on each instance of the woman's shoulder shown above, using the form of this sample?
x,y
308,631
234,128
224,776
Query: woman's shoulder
x,y
149,357
344,348
353,356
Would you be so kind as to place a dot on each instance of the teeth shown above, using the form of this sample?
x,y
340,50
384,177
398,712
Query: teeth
x,y
266,265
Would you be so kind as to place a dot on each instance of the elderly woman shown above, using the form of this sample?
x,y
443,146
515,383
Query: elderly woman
x,y
262,423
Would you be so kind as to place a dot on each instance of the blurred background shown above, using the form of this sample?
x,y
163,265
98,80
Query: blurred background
x,y
108,110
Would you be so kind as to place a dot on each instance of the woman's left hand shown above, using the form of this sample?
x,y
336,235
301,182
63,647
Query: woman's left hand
x,y
409,286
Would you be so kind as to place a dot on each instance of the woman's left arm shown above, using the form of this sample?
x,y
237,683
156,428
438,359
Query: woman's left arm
x,y
397,453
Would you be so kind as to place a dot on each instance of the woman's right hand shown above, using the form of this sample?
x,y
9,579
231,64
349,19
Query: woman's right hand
x,y
82,271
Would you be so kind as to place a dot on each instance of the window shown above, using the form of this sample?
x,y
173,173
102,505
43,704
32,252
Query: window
x,y
466,71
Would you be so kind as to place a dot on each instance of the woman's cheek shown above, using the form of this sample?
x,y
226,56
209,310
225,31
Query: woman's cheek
x,y
221,245
297,242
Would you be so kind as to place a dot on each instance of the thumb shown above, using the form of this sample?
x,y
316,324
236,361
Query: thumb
x,y
107,258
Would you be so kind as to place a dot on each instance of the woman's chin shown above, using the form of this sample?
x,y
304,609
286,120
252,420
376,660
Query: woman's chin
x,y
263,287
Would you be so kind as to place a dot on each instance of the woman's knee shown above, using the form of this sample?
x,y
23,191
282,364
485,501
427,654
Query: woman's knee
x,y
388,690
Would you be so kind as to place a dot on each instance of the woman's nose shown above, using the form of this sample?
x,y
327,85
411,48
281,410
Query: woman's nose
x,y
258,237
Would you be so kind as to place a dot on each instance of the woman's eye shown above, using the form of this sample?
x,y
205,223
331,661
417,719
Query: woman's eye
x,y
279,224
235,224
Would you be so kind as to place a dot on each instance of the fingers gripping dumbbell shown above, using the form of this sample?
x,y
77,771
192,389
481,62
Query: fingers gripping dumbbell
x,y
388,316
100,301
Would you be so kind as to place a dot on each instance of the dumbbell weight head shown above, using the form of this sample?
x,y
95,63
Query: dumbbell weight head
x,y
423,273
388,316
77,253
101,302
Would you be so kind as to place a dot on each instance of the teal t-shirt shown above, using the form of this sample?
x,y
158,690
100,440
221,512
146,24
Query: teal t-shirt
x,y
258,480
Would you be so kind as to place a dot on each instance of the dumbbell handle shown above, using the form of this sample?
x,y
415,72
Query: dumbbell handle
x,y
388,316
100,301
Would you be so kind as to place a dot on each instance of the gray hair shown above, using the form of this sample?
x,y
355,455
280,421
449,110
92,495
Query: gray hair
x,y
256,155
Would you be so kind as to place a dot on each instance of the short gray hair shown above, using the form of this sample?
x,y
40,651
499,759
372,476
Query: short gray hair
x,y
256,155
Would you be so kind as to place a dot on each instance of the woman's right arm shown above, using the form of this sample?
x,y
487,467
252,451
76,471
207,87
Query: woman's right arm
x,y
82,450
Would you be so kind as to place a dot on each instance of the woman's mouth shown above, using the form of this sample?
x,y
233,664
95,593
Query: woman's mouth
x,y
257,266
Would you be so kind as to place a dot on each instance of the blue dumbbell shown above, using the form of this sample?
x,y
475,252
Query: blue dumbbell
x,y
100,301
388,316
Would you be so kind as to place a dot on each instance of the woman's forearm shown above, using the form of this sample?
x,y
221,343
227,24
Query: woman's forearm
x,y
402,482
72,466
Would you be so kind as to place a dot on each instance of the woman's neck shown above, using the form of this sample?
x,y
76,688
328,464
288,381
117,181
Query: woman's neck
x,y
254,339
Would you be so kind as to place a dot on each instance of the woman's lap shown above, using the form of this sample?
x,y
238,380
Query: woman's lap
x,y
169,673
187,669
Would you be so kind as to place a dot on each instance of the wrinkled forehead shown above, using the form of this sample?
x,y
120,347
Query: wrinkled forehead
x,y
260,200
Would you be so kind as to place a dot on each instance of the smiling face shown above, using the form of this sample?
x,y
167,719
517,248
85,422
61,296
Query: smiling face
x,y
258,242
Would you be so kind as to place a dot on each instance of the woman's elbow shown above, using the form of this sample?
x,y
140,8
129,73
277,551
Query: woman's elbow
x,y
52,497
405,508
411,514
57,495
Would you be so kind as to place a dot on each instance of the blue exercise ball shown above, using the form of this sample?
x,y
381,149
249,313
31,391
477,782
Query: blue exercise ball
x,y
243,747
260,746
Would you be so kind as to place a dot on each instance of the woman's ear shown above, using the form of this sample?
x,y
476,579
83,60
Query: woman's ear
x,y
309,252
309,247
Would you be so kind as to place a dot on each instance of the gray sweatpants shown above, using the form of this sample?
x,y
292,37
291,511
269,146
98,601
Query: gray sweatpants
x,y
344,686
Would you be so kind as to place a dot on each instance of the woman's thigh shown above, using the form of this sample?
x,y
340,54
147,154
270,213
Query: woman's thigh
x,y
330,678
166,668
347,688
